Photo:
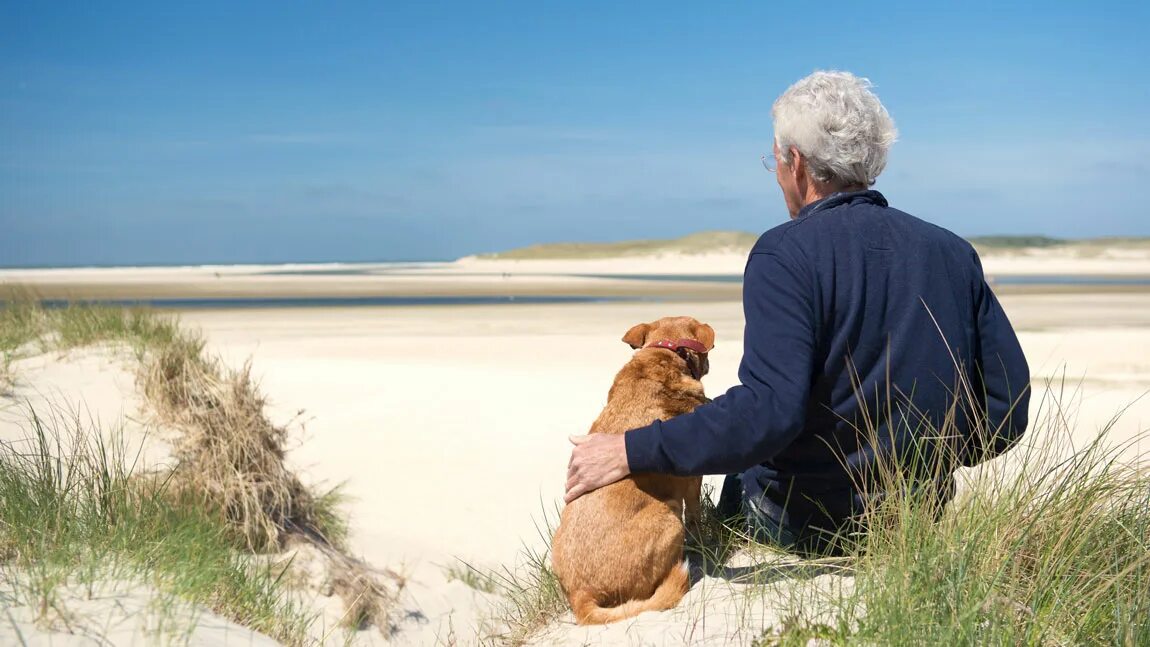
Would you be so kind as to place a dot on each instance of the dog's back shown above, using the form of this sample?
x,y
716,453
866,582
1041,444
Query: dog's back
x,y
618,550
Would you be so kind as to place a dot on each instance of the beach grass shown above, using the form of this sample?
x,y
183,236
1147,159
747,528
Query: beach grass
x,y
529,595
1052,548
1016,242
472,576
229,458
1047,546
73,514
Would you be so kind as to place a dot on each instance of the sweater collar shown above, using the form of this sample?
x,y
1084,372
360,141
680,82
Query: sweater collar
x,y
836,199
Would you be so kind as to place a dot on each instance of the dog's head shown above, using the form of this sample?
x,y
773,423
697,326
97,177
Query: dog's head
x,y
673,329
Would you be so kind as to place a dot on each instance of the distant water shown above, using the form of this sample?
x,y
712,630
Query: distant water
x,y
1037,279
1040,279
694,278
304,266
333,302
344,271
397,301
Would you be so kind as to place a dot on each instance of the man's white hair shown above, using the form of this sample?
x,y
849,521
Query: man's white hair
x,y
838,124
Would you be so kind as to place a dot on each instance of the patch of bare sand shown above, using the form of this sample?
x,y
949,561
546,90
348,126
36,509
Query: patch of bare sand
x,y
90,388
120,613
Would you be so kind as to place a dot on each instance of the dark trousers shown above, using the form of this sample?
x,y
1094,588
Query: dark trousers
x,y
798,524
744,504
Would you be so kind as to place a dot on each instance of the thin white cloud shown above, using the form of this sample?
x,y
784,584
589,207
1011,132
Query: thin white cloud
x,y
542,133
300,138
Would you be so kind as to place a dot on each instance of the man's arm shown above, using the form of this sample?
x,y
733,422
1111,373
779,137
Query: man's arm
x,y
756,419
1005,378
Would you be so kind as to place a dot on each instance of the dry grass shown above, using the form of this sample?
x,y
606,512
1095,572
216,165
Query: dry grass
x,y
231,457
229,453
367,593
529,591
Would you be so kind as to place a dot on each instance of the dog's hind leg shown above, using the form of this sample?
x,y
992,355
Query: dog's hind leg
x,y
692,504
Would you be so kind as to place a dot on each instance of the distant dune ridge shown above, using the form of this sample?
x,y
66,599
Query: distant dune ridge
x,y
719,242
705,242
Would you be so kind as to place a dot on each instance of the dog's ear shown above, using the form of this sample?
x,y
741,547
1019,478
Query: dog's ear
x,y
706,335
636,337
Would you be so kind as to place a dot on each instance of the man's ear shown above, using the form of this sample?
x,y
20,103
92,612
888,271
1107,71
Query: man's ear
x,y
636,337
706,336
799,166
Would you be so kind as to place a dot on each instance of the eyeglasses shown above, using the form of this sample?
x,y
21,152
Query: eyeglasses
x,y
770,169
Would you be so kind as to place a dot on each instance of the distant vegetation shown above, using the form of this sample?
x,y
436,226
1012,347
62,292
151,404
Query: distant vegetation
x,y
1015,242
700,243
740,241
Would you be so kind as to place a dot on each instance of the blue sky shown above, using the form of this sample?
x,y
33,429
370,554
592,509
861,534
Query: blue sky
x,y
135,133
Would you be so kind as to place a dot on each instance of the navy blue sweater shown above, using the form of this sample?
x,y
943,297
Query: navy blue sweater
x,y
851,307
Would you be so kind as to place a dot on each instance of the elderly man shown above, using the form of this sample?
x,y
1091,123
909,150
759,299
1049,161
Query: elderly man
x,y
870,334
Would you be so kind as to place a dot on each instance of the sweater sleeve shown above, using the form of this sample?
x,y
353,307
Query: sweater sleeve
x,y
756,419
1004,376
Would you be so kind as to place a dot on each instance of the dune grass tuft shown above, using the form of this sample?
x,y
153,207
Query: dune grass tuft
x,y
1059,555
531,597
1045,546
230,457
72,514
228,452
476,578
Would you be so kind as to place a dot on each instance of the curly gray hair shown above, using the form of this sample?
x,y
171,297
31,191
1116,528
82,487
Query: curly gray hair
x,y
838,124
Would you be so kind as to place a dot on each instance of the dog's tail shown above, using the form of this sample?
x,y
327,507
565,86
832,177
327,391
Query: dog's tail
x,y
666,596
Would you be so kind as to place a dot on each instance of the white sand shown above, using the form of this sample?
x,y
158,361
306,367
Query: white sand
x,y
122,614
90,388
448,426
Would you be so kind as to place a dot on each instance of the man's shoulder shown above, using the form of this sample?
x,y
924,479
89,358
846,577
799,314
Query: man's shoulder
x,y
931,231
827,226
773,239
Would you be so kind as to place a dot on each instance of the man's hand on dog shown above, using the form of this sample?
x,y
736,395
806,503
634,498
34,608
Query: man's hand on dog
x,y
596,460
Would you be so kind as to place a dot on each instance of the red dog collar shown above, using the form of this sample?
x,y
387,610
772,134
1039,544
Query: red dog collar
x,y
689,344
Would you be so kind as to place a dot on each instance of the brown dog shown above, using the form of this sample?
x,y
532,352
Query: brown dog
x,y
618,551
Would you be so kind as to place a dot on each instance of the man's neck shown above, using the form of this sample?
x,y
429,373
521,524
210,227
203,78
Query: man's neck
x,y
819,191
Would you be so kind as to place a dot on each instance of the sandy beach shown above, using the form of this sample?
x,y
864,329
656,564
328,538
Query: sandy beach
x,y
447,425
692,277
